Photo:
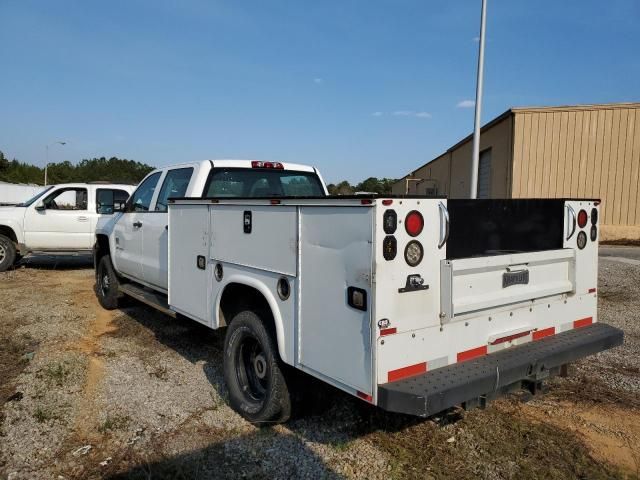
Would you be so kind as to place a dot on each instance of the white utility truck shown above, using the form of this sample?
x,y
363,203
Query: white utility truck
x,y
61,219
413,304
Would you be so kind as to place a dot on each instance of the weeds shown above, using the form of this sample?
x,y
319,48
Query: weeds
x,y
117,422
56,374
45,414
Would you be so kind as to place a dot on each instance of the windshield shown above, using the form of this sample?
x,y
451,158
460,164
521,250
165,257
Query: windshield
x,y
34,198
257,183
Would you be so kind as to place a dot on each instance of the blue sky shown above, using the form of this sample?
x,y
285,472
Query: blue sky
x,y
358,88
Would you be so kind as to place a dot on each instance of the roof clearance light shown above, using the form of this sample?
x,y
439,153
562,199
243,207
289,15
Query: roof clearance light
x,y
414,223
583,218
259,164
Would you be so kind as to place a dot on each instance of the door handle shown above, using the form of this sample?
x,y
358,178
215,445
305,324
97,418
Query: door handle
x,y
444,225
137,224
82,219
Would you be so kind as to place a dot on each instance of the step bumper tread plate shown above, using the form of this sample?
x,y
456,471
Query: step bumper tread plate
x,y
437,390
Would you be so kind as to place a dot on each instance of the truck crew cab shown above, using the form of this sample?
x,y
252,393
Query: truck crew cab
x,y
61,219
413,304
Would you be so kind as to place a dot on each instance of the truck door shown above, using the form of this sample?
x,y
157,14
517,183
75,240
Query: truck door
x,y
60,221
128,230
155,256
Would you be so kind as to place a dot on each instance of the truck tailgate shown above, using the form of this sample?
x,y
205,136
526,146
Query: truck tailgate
x,y
480,283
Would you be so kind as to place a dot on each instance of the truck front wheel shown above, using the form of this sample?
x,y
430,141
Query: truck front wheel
x,y
253,371
7,253
107,284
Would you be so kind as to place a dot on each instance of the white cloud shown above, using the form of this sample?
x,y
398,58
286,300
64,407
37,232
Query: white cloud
x,y
376,114
466,104
318,80
411,113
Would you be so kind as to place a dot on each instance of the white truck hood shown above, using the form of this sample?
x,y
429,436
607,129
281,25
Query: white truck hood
x,y
11,213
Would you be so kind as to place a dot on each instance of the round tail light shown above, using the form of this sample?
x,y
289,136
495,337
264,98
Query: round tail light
x,y
413,253
583,218
414,223
581,240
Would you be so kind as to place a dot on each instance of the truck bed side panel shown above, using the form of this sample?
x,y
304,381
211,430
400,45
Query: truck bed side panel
x,y
188,284
335,253
270,243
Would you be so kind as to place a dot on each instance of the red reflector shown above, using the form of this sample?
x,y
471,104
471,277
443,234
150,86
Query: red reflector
x,y
405,372
473,353
275,202
583,322
259,164
414,223
388,331
537,335
364,396
508,338
592,290
387,202
366,201
583,218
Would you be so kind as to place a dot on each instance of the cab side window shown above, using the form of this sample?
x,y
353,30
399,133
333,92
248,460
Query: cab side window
x,y
109,200
141,198
175,185
67,199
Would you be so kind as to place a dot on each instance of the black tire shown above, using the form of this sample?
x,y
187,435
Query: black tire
x,y
253,371
107,284
7,253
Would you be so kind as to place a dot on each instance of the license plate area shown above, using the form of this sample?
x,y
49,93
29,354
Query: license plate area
x,y
515,277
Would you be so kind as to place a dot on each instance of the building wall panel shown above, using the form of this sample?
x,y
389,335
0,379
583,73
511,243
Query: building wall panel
x,y
590,151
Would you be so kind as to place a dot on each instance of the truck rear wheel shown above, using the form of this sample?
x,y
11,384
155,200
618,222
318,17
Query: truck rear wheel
x,y
107,284
253,371
7,253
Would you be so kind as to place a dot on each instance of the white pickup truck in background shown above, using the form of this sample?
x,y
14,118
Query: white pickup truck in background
x,y
413,304
59,220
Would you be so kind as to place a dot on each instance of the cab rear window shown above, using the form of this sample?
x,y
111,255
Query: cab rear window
x,y
257,183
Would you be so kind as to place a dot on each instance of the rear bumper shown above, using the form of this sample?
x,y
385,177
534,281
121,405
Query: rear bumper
x,y
476,380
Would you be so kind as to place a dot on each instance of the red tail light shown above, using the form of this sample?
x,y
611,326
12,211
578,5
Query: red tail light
x,y
583,218
259,164
414,223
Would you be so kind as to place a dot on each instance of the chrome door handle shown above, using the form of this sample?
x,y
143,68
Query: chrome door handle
x,y
444,224
137,224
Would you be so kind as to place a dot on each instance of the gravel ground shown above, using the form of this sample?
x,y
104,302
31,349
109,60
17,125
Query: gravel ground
x,y
134,394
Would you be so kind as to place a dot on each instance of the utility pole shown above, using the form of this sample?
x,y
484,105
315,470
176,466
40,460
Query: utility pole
x,y
475,161
46,165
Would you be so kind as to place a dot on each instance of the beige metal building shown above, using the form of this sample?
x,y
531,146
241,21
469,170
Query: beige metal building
x,y
590,151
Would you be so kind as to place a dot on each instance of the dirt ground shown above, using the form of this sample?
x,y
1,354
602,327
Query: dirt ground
x,y
86,393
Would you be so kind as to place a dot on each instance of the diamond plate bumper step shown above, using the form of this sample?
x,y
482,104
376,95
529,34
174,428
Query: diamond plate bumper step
x,y
477,380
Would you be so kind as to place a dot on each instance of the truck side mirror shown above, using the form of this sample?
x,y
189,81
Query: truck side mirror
x,y
40,206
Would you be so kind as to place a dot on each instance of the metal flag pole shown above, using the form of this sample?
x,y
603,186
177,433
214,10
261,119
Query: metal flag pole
x,y
475,161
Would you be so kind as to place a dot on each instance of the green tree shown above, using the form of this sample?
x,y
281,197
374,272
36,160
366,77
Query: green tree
x,y
114,169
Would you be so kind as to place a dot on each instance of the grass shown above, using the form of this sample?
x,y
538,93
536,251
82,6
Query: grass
x,y
45,414
56,373
500,441
116,422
